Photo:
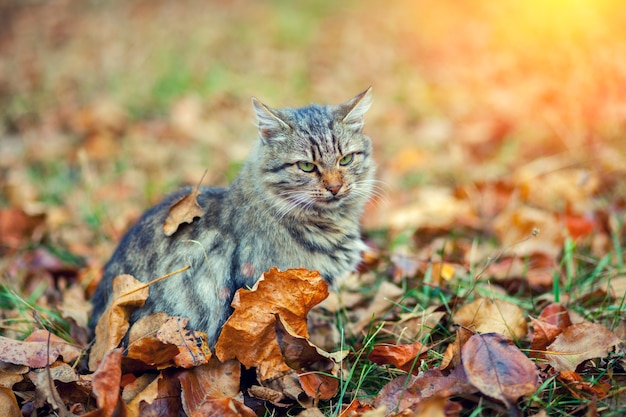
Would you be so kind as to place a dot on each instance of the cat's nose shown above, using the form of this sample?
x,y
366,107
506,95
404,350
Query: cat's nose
x,y
333,188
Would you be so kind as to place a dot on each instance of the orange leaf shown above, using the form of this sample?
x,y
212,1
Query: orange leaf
x,y
106,383
250,335
214,380
400,356
183,211
319,386
498,368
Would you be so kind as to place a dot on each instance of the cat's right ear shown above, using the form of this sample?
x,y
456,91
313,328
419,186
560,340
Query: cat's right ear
x,y
271,126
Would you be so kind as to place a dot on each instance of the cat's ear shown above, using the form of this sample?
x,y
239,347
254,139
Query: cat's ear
x,y
352,112
271,126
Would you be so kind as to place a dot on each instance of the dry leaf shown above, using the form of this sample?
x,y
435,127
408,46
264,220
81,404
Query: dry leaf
x,y
46,391
249,334
167,342
106,384
401,356
485,316
35,351
8,403
214,380
556,315
496,367
223,407
578,343
17,226
183,211
128,294
162,397
543,335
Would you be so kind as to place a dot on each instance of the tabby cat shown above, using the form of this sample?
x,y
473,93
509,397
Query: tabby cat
x,y
296,203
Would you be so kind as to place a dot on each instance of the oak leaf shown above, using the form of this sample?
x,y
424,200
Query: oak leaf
x,y
184,210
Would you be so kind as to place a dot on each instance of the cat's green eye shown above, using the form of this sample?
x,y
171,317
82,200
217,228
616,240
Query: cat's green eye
x,y
346,160
306,166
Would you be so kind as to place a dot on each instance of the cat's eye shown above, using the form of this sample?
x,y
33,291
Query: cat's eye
x,y
346,160
306,166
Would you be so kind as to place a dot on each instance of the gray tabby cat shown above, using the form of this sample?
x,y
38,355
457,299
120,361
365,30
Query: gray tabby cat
x,y
296,203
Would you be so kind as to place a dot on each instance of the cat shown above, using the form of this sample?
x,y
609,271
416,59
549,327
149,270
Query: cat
x,y
296,203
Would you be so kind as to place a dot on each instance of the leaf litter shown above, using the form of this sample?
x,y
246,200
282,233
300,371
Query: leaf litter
x,y
455,240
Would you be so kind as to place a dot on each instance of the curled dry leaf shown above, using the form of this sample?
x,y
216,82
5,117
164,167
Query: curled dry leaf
x,y
250,335
556,315
35,352
496,367
543,335
183,211
578,343
405,357
159,398
128,294
485,316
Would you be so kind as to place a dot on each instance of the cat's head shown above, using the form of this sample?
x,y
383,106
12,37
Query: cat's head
x,y
316,157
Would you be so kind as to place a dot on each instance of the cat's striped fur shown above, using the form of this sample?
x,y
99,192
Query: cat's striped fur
x,y
296,203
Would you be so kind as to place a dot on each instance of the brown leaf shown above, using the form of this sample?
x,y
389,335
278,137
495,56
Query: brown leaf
x,y
224,407
484,316
250,335
556,315
18,227
35,352
46,391
400,356
159,398
8,403
498,368
183,211
543,335
161,341
407,391
578,343
128,294
298,352
106,383
214,380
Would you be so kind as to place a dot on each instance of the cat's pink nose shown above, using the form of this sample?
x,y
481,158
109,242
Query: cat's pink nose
x,y
333,188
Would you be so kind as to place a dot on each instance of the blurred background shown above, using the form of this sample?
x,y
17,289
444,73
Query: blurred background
x,y
108,105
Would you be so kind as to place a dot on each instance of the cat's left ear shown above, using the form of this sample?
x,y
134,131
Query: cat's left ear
x,y
352,112
271,126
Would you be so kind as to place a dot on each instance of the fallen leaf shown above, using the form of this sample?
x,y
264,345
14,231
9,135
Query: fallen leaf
x,y
214,380
46,391
556,315
8,403
184,210
407,391
485,316
128,294
250,335
498,368
575,383
223,407
543,335
431,407
401,356
106,384
161,341
161,397
35,352
17,227
578,343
